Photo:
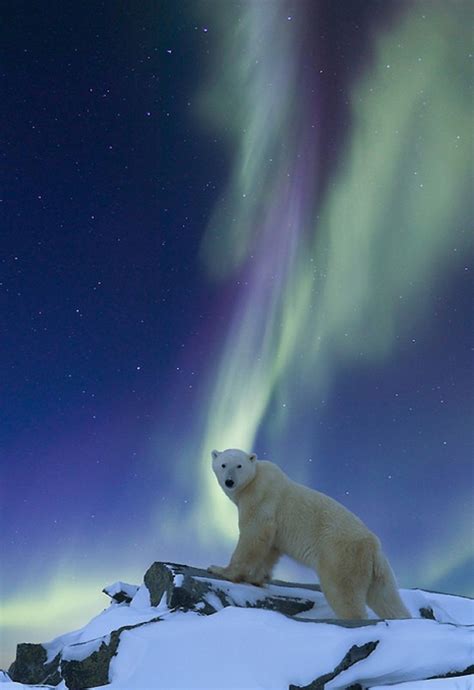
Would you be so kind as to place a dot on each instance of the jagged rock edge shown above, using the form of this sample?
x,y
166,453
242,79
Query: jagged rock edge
x,y
69,668
355,654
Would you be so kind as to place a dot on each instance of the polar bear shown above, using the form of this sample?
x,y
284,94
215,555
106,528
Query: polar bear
x,y
278,516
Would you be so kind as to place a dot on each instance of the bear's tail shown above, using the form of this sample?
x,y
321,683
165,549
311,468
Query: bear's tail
x,y
383,596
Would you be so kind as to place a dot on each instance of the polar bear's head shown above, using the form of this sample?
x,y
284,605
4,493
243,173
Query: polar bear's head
x,y
234,469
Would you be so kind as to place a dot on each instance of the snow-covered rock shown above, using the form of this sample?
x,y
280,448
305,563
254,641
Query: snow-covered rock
x,y
183,628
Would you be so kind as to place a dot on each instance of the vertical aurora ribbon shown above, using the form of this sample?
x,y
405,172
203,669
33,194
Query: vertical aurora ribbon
x,y
320,286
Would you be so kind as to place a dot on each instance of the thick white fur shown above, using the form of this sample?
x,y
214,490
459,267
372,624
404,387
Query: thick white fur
x,y
278,516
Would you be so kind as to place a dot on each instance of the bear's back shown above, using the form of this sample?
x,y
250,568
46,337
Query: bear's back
x,y
303,502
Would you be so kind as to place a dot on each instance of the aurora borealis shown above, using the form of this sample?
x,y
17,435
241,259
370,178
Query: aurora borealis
x,y
329,284
232,225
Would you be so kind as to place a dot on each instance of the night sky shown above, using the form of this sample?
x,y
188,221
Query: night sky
x,y
230,224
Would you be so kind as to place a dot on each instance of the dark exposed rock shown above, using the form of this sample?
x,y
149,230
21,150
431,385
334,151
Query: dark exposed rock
x,y
30,665
427,612
455,674
188,588
94,669
179,586
354,655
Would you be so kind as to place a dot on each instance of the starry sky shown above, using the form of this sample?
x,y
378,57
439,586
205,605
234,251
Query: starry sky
x,y
225,224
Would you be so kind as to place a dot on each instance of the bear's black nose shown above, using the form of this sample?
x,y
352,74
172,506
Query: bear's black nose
x,y
229,483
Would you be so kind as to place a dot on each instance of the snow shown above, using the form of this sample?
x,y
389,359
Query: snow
x,y
178,580
141,600
214,601
79,652
411,650
112,619
447,608
259,649
278,651
116,587
249,595
116,616
234,648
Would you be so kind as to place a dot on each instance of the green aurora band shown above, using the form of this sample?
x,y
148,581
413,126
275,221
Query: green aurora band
x,y
321,287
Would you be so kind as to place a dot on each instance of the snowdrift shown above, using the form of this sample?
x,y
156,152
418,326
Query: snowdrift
x,y
183,628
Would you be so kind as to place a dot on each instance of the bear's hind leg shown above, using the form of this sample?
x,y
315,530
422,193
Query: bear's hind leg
x,y
346,602
345,575
383,596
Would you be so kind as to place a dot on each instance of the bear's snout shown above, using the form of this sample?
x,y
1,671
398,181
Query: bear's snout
x,y
229,483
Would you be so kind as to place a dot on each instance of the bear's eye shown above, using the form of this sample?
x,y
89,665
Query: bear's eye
x,y
239,467
223,467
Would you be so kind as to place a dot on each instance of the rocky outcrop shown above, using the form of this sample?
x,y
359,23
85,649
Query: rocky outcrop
x,y
31,666
83,661
192,589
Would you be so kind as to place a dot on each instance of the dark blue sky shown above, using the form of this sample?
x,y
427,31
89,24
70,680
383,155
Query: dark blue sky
x,y
111,327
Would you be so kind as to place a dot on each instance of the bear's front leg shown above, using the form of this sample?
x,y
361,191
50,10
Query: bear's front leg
x,y
217,570
229,572
236,573
250,560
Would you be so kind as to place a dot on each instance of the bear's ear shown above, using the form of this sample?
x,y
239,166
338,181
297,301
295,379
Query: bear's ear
x,y
252,457
214,454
